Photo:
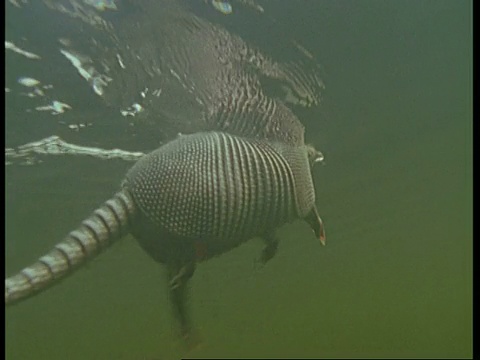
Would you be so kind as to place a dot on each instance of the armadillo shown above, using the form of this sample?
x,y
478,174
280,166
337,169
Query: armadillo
x,y
195,197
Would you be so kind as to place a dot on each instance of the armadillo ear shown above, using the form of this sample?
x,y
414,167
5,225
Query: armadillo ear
x,y
314,156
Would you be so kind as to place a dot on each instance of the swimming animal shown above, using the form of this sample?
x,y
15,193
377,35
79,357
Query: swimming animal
x,y
193,198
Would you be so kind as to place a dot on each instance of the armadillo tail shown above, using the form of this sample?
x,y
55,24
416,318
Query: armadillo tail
x,y
108,223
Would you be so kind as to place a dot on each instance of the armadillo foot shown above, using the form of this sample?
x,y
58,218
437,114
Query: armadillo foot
x,y
191,338
270,249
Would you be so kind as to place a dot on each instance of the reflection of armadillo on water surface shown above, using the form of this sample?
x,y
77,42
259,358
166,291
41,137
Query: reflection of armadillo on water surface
x,y
193,198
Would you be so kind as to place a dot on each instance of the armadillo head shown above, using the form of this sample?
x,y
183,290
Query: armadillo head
x,y
314,156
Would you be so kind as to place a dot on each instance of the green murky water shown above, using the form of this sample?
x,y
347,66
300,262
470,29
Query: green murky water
x,y
395,279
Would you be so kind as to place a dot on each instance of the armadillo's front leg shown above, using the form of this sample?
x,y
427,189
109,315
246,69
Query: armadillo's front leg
x,y
179,273
316,223
270,249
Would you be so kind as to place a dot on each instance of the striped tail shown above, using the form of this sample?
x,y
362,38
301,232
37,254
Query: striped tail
x,y
108,223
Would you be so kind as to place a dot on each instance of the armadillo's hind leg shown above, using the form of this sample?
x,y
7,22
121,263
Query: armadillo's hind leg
x,y
270,249
179,273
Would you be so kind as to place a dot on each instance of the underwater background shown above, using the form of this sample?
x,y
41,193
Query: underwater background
x,y
395,195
